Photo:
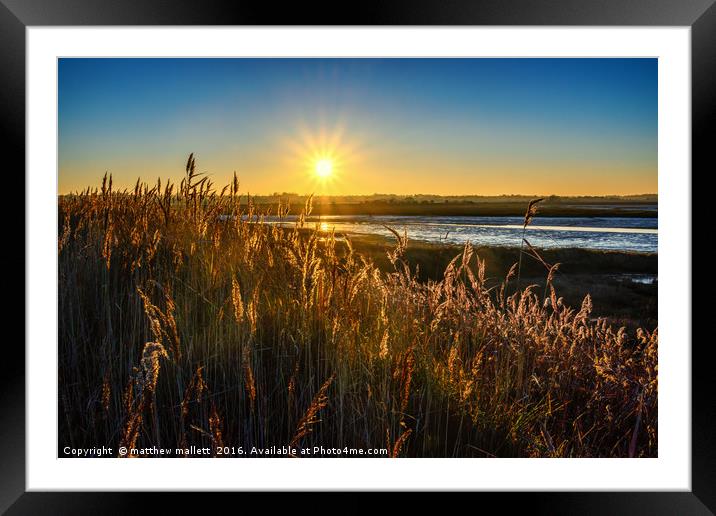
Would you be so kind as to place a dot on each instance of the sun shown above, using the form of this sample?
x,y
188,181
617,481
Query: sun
x,y
324,167
323,157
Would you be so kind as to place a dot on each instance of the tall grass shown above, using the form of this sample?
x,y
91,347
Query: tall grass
x,y
185,319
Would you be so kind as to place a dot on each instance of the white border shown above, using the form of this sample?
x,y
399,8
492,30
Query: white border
x,y
671,471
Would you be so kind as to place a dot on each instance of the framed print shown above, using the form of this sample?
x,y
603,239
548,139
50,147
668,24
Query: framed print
x,y
445,248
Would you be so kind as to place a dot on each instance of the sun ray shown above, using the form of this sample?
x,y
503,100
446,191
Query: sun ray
x,y
324,155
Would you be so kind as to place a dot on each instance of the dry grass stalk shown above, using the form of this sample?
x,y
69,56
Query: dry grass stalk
x,y
310,418
400,442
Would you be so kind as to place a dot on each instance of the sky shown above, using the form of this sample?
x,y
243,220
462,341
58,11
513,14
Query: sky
x,y
441,126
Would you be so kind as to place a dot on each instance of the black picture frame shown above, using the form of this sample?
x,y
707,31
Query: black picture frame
x,y
16,15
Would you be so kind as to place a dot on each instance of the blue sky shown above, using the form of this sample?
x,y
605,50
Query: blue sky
x,y
447,126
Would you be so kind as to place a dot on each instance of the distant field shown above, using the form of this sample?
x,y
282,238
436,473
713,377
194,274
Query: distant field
x,y
553,206
611,209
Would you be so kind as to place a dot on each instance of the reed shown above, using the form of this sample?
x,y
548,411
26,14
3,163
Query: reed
x,y
184,319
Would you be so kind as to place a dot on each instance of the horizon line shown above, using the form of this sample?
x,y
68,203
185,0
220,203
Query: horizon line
x,y
316,195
